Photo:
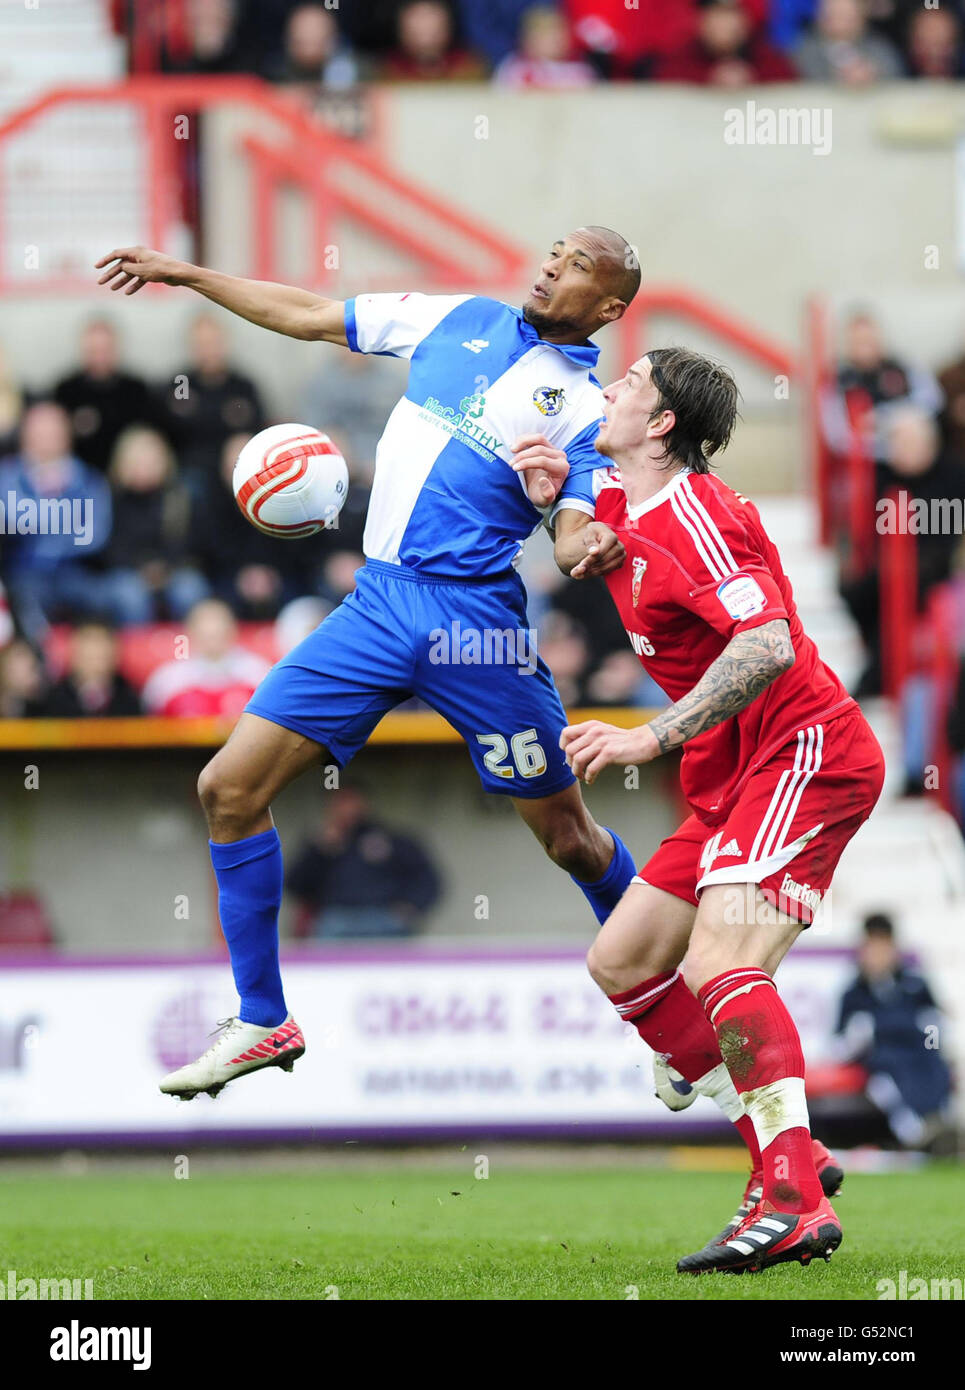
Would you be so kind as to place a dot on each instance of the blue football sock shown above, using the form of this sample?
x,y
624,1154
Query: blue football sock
x,y
249,874
606,892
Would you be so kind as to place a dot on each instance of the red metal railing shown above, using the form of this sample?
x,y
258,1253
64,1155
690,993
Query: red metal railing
x,y
338,175
859,471
817,378
898,582
682,303
942,659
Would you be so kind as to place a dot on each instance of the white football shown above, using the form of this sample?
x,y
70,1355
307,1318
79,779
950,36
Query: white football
x,y
290,481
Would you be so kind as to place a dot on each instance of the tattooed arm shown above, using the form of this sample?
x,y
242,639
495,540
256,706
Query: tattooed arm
x,y
746,666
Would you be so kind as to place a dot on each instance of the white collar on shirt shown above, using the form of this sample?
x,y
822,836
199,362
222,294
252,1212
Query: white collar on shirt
x,y
658,497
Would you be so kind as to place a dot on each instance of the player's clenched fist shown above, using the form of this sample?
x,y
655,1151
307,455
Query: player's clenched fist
x,y
592,746
604,551
131,267
547,468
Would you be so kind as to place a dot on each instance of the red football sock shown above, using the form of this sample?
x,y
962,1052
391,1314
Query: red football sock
x,y
762,1050
745,1128
670,1020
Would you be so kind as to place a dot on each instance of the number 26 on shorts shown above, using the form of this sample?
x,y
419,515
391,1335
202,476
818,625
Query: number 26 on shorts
x,y
527,755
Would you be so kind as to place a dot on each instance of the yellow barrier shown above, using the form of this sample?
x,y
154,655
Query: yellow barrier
x,y
417,727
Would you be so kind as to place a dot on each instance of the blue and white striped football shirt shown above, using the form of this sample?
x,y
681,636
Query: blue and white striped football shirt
x,y
445,500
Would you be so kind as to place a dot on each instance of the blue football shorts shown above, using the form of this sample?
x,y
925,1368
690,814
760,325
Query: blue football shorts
x,y
464,647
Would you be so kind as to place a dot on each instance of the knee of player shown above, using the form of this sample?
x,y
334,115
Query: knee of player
x,y
595,965
567,844
607,968
697,966
221,795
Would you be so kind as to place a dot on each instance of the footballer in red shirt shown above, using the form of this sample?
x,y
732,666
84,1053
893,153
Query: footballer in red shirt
x,y
779,768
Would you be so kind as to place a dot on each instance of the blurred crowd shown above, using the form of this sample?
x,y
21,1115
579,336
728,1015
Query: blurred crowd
x,y
156,543
908,426
569,44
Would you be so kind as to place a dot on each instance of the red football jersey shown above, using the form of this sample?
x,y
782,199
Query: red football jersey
x,y
699,569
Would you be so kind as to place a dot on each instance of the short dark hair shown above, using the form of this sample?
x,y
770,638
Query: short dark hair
x,y
878,924
702,395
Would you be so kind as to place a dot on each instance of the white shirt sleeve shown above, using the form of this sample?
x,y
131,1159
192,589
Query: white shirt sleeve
x,y
395,323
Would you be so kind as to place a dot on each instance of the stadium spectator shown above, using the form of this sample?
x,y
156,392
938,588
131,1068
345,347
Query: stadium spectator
x,y
933,44
843,48
888,382
915,464
350,396
214,402
562,644
951,380
620,681
297,619
788,19
213,40
492,29
253,573
315,54
65,508
146,550
356,877
22,681
92,685
338,575
425,46
600,624
101,398
619,42
622,40
544,55
726,51
891,17
215,676
889,1023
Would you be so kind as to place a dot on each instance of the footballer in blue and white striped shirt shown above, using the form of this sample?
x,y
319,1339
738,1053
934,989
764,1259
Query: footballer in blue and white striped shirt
x,y
494,433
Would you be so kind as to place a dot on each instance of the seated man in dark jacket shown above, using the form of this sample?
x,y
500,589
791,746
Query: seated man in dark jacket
x,y
358,878
890,1023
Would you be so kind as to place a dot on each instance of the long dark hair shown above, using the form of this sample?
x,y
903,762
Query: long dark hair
x,y
703,397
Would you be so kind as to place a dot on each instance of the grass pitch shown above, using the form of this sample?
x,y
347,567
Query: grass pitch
x,y
395,1232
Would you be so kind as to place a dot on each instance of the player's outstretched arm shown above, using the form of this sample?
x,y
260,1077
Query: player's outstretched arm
x,y
282,308
746,666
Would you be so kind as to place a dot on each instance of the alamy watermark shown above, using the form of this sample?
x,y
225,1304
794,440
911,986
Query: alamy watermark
x,y
751,124
918,1289
48,516
904,515
487,646
25,1289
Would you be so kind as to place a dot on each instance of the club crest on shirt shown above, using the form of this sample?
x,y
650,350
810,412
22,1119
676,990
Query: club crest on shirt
x,y
639,570
549,400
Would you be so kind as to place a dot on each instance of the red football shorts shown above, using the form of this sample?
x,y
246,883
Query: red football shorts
x,y
789,825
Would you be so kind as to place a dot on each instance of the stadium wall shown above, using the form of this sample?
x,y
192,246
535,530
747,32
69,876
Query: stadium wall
x,y
855,224
110,841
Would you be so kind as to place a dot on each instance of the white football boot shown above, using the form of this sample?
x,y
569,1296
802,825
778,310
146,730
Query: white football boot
x,y
673,1090
240,1048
